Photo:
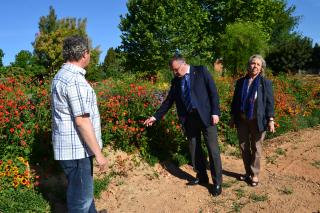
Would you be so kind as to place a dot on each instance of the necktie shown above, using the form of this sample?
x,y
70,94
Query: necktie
x,y
186,98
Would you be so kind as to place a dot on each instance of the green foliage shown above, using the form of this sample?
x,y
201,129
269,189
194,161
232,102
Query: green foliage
x,y
24,113
1,56
274,16
94,69
101,184
25,64
49,41
258,198
315,63
48,23
280,151
14,173
124,109
316,163
112,65
12,201
290,55
287,190
110,58
240,192
236,207
153,30
23,59
239,42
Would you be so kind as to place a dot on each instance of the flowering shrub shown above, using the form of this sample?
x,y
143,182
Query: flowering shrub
x,y
123,113
296,103
15,173
23,114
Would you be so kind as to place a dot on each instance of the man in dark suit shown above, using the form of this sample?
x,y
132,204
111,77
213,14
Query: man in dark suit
x,y
195,94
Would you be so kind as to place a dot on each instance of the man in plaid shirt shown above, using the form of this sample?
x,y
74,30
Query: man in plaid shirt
x,y
76,132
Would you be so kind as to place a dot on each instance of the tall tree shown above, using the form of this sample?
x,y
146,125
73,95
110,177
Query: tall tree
x,y
291,55
1,56
49,41
48,24
153,30
274,15
315,57
239,42
110,58
23,59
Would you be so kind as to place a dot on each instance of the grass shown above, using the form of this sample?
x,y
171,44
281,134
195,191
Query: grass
x,y
236,207
239,193
228,184
316,164
286,190
272,159
154,175
258,198
101,184
280,151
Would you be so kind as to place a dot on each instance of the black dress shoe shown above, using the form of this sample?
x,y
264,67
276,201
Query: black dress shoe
x,y
216,191
198,181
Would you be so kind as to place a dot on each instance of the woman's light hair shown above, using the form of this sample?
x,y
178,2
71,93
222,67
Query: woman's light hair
x,y
263,62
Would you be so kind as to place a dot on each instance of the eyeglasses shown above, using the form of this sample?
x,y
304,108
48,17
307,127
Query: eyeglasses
x,y
177,69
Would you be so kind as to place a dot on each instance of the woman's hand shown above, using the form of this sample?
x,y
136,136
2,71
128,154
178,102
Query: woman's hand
x,y
271,126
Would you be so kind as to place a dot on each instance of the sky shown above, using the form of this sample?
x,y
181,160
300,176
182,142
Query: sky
x,y
19,21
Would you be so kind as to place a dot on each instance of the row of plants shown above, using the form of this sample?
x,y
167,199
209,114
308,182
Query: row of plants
x,y
25,121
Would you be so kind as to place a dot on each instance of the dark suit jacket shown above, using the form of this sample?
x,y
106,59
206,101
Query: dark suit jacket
x,y
203,94
264,103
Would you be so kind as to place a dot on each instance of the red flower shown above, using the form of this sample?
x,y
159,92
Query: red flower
x,y
23,143
12,130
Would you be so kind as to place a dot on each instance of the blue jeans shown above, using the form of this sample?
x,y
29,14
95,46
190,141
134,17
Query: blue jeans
x,y
80,185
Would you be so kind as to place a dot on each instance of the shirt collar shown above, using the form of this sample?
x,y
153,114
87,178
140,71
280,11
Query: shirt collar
x,y
188,70
75,68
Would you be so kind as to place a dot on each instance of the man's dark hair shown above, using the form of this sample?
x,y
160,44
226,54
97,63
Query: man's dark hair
x,y
74,48
176,57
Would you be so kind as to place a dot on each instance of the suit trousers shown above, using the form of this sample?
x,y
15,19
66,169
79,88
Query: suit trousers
x,y
250,141
194,127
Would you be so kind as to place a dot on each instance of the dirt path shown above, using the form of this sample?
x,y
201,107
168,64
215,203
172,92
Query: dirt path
x,y
290,182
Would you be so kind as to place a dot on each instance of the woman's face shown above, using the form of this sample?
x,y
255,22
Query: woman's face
x,y
255,67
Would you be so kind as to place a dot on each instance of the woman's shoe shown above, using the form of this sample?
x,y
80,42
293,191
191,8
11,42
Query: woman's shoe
x,y
254,182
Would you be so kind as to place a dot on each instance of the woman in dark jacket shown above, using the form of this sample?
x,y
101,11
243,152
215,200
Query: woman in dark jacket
x,y
252,112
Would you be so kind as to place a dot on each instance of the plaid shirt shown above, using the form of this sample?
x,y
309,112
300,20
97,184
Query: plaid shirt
x,y
72,96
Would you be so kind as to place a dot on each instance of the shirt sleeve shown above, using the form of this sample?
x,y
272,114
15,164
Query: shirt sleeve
x,y
78,98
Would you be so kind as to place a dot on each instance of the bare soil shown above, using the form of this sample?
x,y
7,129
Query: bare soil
x,y
289,182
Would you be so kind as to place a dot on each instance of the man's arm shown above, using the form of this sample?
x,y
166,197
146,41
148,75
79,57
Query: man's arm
x,y
212,92
165,106
85,128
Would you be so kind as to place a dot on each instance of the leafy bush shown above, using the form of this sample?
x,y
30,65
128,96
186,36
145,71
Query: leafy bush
x,y
125,103
24,113
12,201
124,111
